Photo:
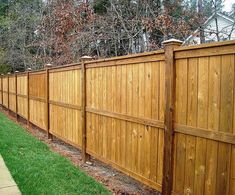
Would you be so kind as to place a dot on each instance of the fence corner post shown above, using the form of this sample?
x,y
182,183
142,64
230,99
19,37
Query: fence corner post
x,y
8,92
167,182
85,156
47,113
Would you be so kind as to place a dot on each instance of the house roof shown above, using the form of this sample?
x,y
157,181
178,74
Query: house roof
x,y
232,13
228,18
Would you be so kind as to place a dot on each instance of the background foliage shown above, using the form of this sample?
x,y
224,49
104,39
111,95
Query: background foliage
x,y
36,32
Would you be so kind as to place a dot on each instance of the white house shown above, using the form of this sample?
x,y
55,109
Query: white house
x,y
218,27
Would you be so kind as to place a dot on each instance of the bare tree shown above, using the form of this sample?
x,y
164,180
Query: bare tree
x,y
201,28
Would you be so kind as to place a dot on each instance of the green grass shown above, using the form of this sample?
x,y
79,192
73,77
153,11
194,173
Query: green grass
x,y
36,169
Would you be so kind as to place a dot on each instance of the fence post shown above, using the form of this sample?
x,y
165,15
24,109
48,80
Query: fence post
x,y
167,182
47,114
28,104
2,88
16,94
85,156
8,93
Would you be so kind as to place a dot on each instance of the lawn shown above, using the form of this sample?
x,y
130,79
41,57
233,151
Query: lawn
x,y
38,170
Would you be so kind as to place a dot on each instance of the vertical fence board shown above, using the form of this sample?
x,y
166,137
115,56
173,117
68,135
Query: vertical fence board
x,y
123,111
213,123
223,169
22,95
232,177
5,92
180,116
12,93
227,88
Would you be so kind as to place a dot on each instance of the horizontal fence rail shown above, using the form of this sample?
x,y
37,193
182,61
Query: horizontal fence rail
x,y
165,118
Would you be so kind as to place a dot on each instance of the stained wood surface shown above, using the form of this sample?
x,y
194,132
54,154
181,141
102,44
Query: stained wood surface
x,y
170,84
1,92
37,92
204,120
65,105
115,99
22,105
12,94
5,91
125,108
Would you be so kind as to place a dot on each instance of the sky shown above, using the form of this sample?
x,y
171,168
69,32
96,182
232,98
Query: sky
x,y
228,5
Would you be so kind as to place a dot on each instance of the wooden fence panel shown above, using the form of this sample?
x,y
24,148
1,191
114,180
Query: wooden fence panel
x,y
37,96
65,105
120,101
204,122
22,96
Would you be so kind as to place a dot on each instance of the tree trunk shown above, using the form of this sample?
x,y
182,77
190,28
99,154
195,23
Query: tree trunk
x,y
201,28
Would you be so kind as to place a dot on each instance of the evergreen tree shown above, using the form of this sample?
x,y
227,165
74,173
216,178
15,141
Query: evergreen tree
x,y
18,34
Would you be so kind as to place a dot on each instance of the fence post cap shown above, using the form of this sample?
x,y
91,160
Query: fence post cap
x,y
16,71
86,58
8,73
172,42
48,65
29,69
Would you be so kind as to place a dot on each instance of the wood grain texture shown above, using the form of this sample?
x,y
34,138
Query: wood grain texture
x,y
5,91
227,93
116,131
206,87
232,177
12,92
170,85
37,85
37,114
125,112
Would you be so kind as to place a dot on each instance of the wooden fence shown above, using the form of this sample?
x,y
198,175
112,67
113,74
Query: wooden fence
x,y
165,118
